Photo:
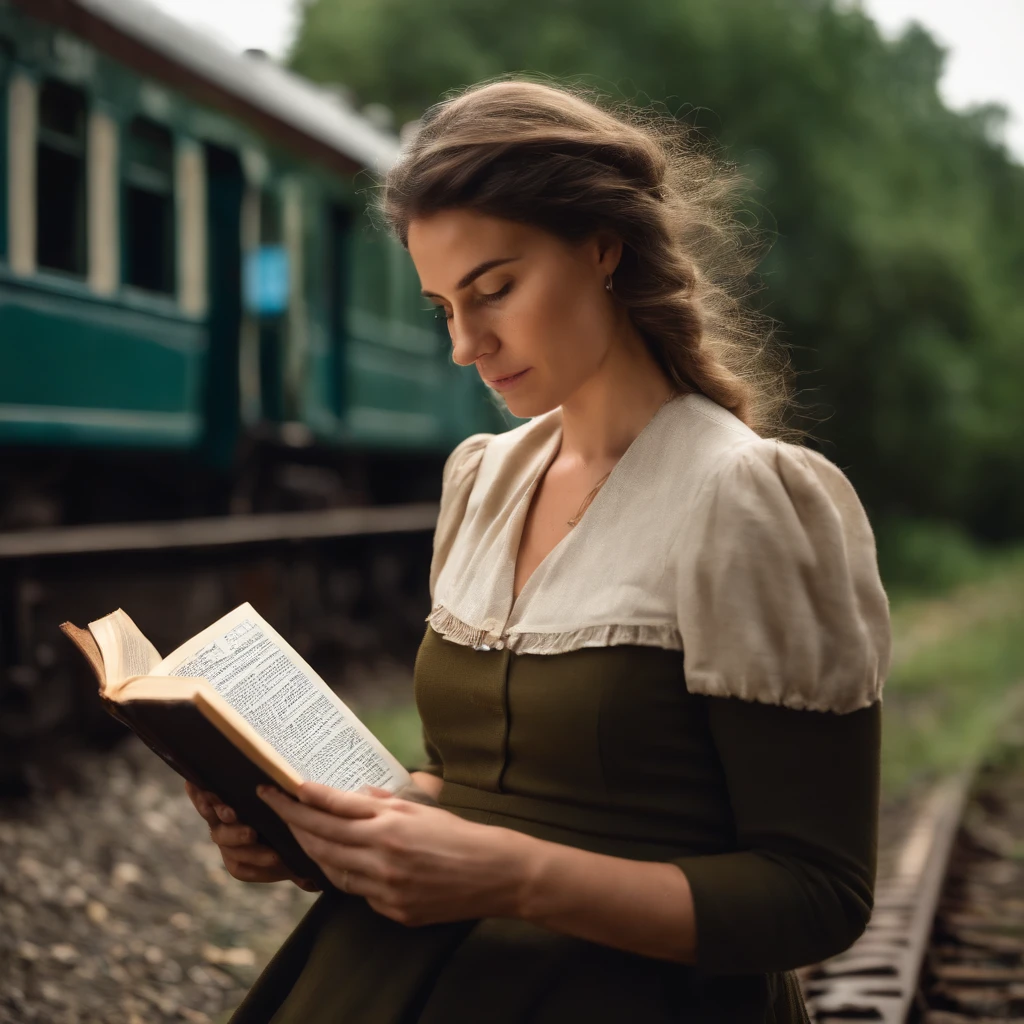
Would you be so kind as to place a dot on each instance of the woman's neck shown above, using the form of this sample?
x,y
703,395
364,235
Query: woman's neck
x,y
603,417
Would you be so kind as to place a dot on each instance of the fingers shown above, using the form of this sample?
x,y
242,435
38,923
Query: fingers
x,y
201,802
248,871
254,863
225,813
255,855
320,823
414,794
370,790
359,860
363,804
245,858
232,835
210,806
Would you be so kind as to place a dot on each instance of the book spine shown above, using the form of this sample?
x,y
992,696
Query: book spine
x,y
124,716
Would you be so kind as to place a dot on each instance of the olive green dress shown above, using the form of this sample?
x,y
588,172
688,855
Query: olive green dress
x,y
701,688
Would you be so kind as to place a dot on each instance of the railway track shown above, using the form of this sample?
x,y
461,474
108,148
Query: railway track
x,y
347,585
946,940
974,967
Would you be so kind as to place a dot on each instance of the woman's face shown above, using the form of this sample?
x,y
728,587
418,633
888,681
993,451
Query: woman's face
x,y
520,303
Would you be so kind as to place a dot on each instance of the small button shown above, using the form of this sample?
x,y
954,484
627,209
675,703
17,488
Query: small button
x,y
481,647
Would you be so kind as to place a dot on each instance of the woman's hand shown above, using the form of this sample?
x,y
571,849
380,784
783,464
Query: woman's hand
x,y
244,858
413,863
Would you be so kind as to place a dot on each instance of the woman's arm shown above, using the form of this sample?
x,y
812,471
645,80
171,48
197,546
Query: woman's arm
x,y
423,865
639,907
803,786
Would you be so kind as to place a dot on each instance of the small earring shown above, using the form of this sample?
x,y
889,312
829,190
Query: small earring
x,y
608,283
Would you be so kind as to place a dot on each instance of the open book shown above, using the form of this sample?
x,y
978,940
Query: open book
x,y
235,707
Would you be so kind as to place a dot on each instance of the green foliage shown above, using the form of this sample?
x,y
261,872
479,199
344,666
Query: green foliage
x,y
397,725
957,658
921,558
898,225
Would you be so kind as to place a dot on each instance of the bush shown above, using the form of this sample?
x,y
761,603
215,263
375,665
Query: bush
x,y
920,557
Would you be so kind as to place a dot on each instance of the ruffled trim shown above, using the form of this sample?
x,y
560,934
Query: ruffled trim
x,y
832,695
612,635
454,629
442,621
836,696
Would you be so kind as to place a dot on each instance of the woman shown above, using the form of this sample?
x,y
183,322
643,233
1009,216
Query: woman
x,y
650,683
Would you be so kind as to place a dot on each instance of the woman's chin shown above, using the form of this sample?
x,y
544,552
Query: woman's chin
x,y
525,407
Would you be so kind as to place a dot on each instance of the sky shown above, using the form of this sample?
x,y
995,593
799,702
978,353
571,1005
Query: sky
x,y
984,39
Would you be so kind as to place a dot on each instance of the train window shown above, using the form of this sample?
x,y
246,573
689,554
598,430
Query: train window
x,y
60,179
149,207
273,329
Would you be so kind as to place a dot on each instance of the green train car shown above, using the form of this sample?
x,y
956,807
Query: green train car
x,y
193,301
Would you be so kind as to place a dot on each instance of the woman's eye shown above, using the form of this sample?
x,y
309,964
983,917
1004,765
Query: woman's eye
x,y
499,294
440,313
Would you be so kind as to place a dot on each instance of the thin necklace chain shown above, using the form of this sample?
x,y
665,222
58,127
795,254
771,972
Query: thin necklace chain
x,y
590,497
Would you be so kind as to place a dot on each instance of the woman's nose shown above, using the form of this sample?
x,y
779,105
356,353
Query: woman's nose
x,y
469,341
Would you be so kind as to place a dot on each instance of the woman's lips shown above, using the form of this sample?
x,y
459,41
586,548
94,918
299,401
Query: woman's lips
x,y
504,383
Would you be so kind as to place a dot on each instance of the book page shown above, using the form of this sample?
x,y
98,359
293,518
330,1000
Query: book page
x,y
285,702
86,643
126,651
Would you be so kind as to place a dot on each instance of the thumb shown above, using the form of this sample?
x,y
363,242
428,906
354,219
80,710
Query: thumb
x,y
374,791
337,801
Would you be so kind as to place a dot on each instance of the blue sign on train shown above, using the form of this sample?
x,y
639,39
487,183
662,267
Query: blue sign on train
x,y
266,280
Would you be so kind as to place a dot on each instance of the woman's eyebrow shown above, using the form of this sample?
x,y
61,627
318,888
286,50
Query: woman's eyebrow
x,y
468,279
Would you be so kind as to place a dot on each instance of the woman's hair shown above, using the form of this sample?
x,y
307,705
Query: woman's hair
x,y
557,159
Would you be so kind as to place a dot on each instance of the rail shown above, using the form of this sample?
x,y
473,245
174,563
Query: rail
x,y
877,977
218,531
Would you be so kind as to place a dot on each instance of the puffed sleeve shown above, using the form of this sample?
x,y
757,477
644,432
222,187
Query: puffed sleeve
x,y
778,594
456,482
785,631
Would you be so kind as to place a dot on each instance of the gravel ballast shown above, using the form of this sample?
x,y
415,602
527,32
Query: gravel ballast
x,y
116,907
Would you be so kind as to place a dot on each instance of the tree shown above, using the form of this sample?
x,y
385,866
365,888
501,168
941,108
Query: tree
x,y
899,225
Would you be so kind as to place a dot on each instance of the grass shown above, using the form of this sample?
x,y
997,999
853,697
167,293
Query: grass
x,y
398,728
956,657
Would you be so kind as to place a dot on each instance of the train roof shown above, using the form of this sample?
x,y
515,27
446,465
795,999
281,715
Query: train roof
x,y
261,84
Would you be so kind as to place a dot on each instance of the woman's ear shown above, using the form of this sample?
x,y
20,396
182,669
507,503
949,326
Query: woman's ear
x,y
608,250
